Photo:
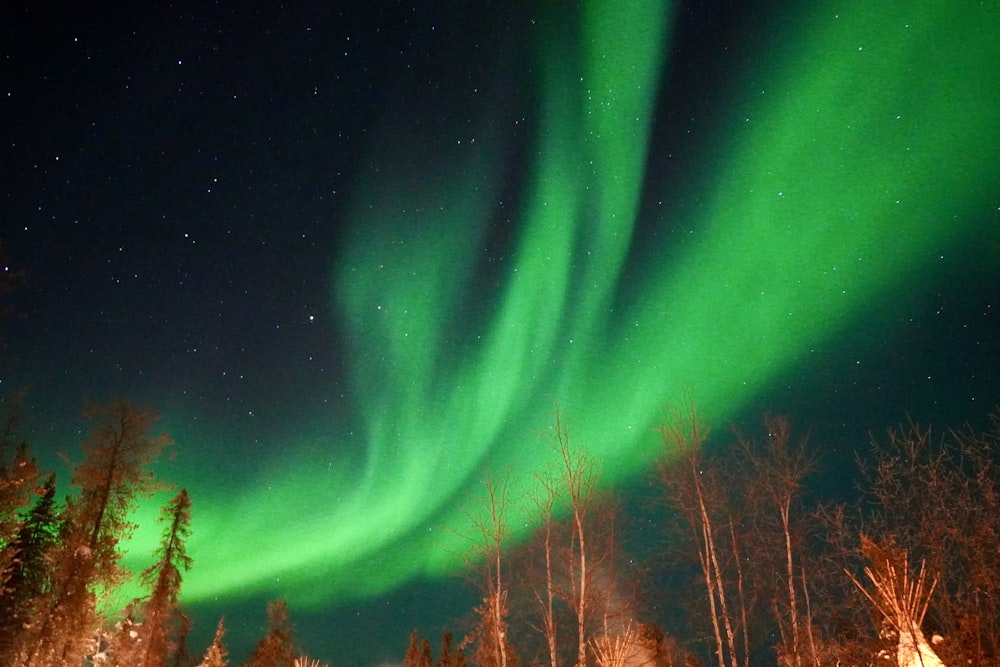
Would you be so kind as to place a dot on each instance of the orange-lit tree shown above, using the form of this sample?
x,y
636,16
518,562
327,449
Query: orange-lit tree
x,y
113,476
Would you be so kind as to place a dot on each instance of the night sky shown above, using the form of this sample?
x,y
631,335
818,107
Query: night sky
x,y
353,254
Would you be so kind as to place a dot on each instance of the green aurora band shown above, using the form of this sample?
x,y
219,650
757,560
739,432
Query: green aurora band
x,y
860,149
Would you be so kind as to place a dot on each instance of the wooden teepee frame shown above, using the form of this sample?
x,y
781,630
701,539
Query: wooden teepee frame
x,y
903,602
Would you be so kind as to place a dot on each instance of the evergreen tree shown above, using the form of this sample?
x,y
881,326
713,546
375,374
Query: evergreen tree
x,y
425,654
113,476
447,657
29,575
181,656
164,576
216,654
276,647
18,483
19,479
418,652
412,657
123,646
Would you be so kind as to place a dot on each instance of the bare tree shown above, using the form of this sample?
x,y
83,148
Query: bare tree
x,y
546,594
776,470
578,480
936,497
698,496
490,637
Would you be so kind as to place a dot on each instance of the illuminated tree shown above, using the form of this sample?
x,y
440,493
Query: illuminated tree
x,y
569,566
699,495
216,654
164,577
276,648
936,498
123,645
775,473
579,482
181,657
112,477
28,576
413,657
491,634
450,657
546,592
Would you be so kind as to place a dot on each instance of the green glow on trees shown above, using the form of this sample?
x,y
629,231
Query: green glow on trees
x,y
859,148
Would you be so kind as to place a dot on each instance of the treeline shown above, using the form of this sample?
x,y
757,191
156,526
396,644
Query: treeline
x,y
60,562
747,572
908,574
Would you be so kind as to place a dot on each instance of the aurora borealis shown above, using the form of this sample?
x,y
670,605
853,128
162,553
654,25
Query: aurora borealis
x,y
605,206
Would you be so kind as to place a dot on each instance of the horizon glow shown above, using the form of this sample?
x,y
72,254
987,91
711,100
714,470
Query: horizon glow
x,y
860,157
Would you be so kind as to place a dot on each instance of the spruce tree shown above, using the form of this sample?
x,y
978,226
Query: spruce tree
x,y
18,484
164,578
216,654
29,575
412,657
275,649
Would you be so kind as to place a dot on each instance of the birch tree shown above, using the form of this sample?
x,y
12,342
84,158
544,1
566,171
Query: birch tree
x,y
491,634
697,494
776,469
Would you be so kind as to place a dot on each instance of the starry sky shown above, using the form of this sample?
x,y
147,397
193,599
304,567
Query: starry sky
x,y
353,253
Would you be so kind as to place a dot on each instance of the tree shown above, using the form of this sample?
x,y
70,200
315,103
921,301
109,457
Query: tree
x,y
490,637
570,563
276,648
776,472
123,645
216,654
414,655
19,479
450,657
29,574
164,577
936,498
113,476
181,657
546,593
579,481
698,495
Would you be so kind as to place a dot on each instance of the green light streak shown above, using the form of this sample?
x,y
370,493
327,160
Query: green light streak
x,y
864,146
